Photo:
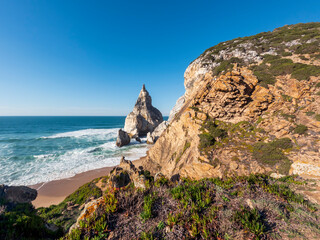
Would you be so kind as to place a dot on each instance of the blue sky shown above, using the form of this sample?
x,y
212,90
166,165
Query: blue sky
x,y
92,57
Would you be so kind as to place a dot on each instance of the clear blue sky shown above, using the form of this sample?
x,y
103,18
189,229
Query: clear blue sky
x,y
92,57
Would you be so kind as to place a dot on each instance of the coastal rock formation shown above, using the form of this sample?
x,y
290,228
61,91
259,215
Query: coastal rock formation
x,y
144,118
153,137
17,194
177,107
123,138
250,106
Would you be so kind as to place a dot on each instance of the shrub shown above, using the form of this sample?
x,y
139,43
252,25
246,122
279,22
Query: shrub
x,y
21,222
317,117
283,143
271,154
53,214
286,54
147,207
210,133
227,65
310,113
251,220
300,129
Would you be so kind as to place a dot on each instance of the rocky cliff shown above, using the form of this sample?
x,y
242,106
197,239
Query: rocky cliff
x,y
252,105
144,118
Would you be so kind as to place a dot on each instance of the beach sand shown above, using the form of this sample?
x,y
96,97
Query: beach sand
x,y
56,191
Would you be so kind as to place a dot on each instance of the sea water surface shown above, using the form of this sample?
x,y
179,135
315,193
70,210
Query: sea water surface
x,y
41,149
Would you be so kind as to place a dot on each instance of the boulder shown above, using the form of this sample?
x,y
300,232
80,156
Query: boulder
x,y
144,118
119,178
123,138
125,174
153,137
17,194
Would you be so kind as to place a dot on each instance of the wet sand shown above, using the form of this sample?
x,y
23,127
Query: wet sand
x,y
56,191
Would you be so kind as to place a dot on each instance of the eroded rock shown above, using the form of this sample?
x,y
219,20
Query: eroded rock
x,y
153,137
144,118
123,138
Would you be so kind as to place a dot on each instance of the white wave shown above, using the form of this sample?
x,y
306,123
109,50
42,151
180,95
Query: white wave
x,y
54,166
85,132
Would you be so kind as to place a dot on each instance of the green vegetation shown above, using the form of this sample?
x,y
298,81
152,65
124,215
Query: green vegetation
x,y
271,154
147,207
251,220
20,221
310,113
317,117
185,147
53,214
273,65
214,208
210,134
300,129
227,65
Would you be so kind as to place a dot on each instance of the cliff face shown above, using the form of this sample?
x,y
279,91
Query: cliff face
x,y
252,105
144,118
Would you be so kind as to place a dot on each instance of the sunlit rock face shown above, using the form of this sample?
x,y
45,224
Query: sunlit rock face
x,y
144,118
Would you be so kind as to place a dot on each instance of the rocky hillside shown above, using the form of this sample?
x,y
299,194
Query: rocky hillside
x,y
136,205
252,105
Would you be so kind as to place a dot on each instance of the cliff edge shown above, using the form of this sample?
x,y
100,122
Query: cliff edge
x,y
252,105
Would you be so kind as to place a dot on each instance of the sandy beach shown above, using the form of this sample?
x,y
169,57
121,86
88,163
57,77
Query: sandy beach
x,y
56,191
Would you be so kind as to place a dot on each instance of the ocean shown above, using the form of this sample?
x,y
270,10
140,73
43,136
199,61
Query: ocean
x,y
42,149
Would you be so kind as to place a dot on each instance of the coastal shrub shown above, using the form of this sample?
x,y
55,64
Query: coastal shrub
x,y
211,132
264,77
200,209
251,220
288,116
286,54
310,113
300,129
283,143
227,65
147,206
206,140
271,154
20,221
53,214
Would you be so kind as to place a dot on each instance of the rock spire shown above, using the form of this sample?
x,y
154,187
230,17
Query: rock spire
x,y
144,118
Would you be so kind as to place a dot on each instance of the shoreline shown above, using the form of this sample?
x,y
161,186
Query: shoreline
x,y
54,192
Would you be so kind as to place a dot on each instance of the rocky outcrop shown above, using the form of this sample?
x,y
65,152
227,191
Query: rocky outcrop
x,y
244,99
153,137
144,118
17,194
177,107
123,138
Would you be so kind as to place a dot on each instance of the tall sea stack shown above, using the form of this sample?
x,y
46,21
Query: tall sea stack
x,y
144,118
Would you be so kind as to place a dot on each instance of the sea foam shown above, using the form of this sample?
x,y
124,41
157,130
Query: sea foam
x,y
64,163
